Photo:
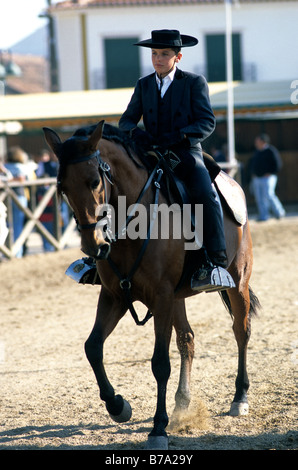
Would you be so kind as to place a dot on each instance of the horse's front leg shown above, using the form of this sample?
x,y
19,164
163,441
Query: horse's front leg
x,y
185,344
109,312
161,370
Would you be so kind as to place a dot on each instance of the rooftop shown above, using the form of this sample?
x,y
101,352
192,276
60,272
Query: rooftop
x,y
72,108
79,4
34,78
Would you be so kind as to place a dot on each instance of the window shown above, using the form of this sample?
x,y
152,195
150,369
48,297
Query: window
x,y
122,62
216,57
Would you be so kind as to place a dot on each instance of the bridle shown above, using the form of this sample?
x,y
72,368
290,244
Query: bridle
x,y
154,178
105,173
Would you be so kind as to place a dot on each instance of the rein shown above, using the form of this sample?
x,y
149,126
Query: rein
x,y
105,173
125,281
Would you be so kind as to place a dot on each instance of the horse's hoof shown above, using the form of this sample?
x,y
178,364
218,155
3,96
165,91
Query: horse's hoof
x,y
157,443
239,409
125,414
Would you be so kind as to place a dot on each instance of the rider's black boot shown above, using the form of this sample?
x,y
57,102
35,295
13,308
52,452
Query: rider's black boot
x,y
212,275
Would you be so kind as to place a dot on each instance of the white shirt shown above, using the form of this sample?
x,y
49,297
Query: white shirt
x,y
166,81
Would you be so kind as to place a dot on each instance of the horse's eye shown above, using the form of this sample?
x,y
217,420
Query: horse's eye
x,y
94,184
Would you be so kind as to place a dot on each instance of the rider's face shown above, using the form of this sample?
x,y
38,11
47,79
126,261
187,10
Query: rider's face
x,y
163,60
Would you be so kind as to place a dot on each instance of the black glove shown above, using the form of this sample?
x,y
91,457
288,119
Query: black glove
x,y
170,139
141,138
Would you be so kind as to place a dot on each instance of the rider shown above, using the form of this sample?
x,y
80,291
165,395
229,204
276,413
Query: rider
x,y
177,116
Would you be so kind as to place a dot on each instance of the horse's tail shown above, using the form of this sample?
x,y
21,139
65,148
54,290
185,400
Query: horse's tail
x,y
254,302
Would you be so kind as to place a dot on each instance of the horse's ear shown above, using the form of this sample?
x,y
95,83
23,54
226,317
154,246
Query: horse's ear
x,y
52,138
96,135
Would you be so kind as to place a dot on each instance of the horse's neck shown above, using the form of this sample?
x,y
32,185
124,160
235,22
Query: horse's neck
x,y
128,179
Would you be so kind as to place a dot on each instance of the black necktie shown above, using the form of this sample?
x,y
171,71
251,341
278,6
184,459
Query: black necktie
x,y
160,86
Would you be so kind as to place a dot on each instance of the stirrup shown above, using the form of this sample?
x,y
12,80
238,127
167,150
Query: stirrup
x,y
83,271
211,279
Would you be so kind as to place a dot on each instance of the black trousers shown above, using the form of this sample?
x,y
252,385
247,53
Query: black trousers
x,y
193,172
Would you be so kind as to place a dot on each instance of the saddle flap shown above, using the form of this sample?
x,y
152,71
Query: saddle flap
x,y
232,195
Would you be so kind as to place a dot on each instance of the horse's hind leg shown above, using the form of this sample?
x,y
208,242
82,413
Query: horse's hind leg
x,y
185,344
109,312
241,303
244,305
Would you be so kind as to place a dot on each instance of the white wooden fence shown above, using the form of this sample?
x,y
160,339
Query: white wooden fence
x,y
59,239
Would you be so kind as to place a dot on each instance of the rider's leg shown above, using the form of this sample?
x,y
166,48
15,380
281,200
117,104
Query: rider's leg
x,y
212,275
201,191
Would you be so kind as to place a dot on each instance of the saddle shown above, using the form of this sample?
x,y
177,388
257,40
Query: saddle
x,y
229,191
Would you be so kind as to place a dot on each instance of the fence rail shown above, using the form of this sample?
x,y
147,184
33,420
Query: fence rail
x,y
59,238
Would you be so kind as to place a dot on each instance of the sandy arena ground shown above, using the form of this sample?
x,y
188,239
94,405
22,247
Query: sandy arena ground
x,y
49,398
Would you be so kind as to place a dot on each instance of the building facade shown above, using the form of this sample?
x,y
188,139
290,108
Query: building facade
x,y
94,39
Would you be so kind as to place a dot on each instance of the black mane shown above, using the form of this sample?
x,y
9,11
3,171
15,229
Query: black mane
x,y
69,148
109,133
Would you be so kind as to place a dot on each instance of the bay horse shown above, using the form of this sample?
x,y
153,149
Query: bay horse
x,y
94,171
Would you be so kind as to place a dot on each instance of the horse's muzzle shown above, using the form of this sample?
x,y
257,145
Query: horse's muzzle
x,y
101,252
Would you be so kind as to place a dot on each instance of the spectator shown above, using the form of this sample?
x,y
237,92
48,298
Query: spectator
x,y
218,154
46,168
16,162
47,165
264,167
5,175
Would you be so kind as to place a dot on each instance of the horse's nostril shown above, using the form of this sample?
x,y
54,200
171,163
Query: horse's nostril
x,y
104,251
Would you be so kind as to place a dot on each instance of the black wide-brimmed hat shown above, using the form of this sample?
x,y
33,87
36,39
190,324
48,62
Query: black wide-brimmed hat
x,y
167,38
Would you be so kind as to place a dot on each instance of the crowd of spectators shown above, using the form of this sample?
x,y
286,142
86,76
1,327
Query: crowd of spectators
x,y
18,167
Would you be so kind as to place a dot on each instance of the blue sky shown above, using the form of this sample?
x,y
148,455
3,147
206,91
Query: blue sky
x,y
18,19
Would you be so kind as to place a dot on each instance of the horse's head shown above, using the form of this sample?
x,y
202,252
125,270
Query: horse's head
x,y
82,180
